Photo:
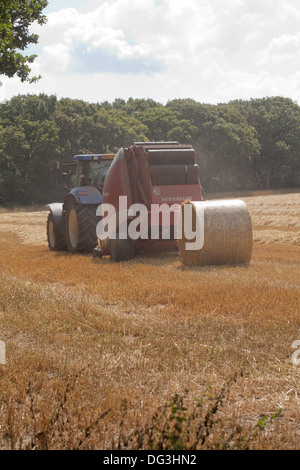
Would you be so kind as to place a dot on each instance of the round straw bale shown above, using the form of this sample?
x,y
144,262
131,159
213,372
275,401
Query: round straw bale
x,y
228,237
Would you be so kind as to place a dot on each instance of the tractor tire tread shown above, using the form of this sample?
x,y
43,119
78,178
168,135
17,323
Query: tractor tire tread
x,y
59,242
87,223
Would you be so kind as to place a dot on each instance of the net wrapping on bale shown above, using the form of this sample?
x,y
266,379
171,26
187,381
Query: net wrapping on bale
x,y
228,237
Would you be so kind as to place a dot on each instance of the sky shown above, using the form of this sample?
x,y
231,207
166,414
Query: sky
x,y
212,51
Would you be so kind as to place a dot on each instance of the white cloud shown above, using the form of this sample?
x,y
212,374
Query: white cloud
x,y
282,55
57,57
209,50
104,37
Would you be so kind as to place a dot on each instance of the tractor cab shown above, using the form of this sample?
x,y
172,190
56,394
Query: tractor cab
x,y
91,170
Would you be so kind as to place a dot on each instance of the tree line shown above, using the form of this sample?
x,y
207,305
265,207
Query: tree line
x,y
240,145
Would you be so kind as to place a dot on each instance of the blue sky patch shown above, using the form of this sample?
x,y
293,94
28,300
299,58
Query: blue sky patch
x,y
102,60
56,5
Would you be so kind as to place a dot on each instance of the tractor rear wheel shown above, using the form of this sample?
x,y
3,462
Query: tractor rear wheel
x,y
55,242
121,250
80,227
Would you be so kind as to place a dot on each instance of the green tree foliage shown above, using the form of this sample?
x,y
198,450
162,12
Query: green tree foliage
x,y
29,148
242,145
165,124
277,124
16,16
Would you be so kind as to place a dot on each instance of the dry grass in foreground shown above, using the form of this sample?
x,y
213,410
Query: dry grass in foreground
x,y
150,354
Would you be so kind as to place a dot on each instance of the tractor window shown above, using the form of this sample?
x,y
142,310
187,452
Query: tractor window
x,y
97,173
79,172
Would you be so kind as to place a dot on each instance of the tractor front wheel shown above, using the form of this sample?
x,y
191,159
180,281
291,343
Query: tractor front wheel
x,y
81,223
55,242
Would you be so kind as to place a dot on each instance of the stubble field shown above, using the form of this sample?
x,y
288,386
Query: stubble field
x,y
150,354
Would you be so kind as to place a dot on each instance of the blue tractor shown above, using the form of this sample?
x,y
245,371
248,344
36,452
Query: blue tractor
x,y
71,225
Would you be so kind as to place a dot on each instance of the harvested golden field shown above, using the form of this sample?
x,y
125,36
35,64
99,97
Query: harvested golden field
x,y
150,354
